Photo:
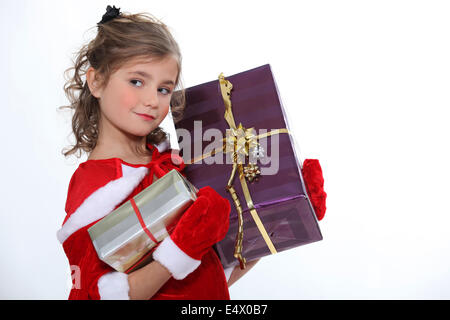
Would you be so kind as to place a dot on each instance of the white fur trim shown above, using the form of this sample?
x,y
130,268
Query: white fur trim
x,y
128,170
174,259
101,202
228,272
113,286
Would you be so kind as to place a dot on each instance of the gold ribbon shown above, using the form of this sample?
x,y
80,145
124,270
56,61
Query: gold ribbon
x,y
239,141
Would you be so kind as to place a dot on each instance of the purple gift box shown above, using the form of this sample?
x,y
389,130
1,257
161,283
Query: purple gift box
x,y
279,195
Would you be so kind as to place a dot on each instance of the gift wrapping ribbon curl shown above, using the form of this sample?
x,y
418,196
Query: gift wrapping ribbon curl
x,y
239,141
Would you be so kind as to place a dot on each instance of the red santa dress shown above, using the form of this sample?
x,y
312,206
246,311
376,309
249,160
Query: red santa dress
x,y
98,187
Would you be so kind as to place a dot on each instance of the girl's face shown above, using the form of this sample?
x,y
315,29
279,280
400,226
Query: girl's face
x,y
137,96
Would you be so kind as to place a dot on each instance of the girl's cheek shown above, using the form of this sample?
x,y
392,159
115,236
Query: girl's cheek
x,y
128,99
165,111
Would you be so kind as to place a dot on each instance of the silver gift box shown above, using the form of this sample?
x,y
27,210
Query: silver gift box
x,y
119,238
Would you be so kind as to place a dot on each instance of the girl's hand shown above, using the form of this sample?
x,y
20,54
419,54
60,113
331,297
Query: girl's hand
x,y
312,175
203,224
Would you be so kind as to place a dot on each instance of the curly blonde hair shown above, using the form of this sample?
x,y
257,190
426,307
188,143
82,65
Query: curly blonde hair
x,y
126,37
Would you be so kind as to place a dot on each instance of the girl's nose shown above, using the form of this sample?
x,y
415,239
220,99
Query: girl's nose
x,y
151,98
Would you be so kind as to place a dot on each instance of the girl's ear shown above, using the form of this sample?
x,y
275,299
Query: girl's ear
x,y
93,82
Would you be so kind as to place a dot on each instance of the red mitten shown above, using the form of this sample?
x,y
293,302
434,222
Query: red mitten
x,y
312,175
203,224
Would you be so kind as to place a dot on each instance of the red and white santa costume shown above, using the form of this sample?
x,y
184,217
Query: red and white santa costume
x,y
96,188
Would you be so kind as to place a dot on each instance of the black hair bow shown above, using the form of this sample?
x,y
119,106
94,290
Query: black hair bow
x,y
111,13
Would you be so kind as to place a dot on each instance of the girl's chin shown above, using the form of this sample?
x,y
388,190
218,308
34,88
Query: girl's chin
x,y
140,134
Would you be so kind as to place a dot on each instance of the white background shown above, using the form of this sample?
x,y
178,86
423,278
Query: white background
x,y
366,85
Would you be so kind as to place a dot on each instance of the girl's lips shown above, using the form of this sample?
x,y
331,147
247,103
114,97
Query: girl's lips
x,y
145,116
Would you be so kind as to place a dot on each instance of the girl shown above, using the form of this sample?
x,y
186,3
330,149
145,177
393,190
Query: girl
x,y
132,68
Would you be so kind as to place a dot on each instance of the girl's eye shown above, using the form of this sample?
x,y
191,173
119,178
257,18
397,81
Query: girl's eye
x,y
164,91
134,81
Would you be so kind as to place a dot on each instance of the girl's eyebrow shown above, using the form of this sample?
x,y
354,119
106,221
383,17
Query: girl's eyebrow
x,y
147,76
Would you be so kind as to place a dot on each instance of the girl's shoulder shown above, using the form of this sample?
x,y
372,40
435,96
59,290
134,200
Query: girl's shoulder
x,y
88,177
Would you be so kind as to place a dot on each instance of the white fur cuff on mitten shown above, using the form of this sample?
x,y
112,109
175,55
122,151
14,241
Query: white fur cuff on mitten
x,y
113,286
174,259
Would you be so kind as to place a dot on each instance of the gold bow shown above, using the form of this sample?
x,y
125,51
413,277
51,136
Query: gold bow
x,y
241,141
